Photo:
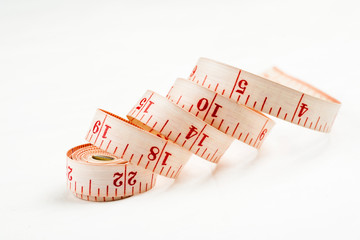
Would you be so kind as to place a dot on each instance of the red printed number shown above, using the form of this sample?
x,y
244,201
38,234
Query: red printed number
x,y
131,180
69,172
303,109
107,127
203,105
154,151
193,132
118,179
242,86
96,127
141,104
262,135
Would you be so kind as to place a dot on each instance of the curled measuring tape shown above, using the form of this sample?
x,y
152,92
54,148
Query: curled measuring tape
x,y
156,114
95,175
235,120
297,102
131,143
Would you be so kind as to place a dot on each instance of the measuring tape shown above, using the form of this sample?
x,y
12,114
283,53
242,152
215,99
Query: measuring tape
x,y
96,175
135,145
235,120
200,116
160,116
294,101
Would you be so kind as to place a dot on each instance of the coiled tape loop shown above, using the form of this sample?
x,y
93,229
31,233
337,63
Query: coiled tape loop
x,y
131,143
295,101
235,120
99,180
156,114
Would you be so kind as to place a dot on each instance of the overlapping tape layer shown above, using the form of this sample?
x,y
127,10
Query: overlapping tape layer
x,y
290,99
131,143
108,179
235,120
156,114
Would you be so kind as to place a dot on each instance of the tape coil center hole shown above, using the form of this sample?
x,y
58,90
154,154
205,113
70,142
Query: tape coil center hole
x,y
102,158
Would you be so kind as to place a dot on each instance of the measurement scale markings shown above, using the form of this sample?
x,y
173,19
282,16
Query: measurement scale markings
x,y
147,165
246,137
177,137
115,150
247,99
238,98
168,95
178,100
108,146
167,137
237,125
168,171
220,123
212,102
316,123
125,181
292,119
203,152
89,187
152,128
124,150
237,78
213,154
198,136
178,171
191,107
160,155
262,107
164,126
204,80
148,120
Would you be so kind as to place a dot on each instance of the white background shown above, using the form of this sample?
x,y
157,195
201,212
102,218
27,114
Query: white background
x,y
60,60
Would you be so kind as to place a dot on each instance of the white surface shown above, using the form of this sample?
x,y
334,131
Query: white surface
x,y
60,60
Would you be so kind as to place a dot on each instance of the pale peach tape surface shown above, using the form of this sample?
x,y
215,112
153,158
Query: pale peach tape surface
x,y
141,148
290,99
202,116
236,120
95,180
157,114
